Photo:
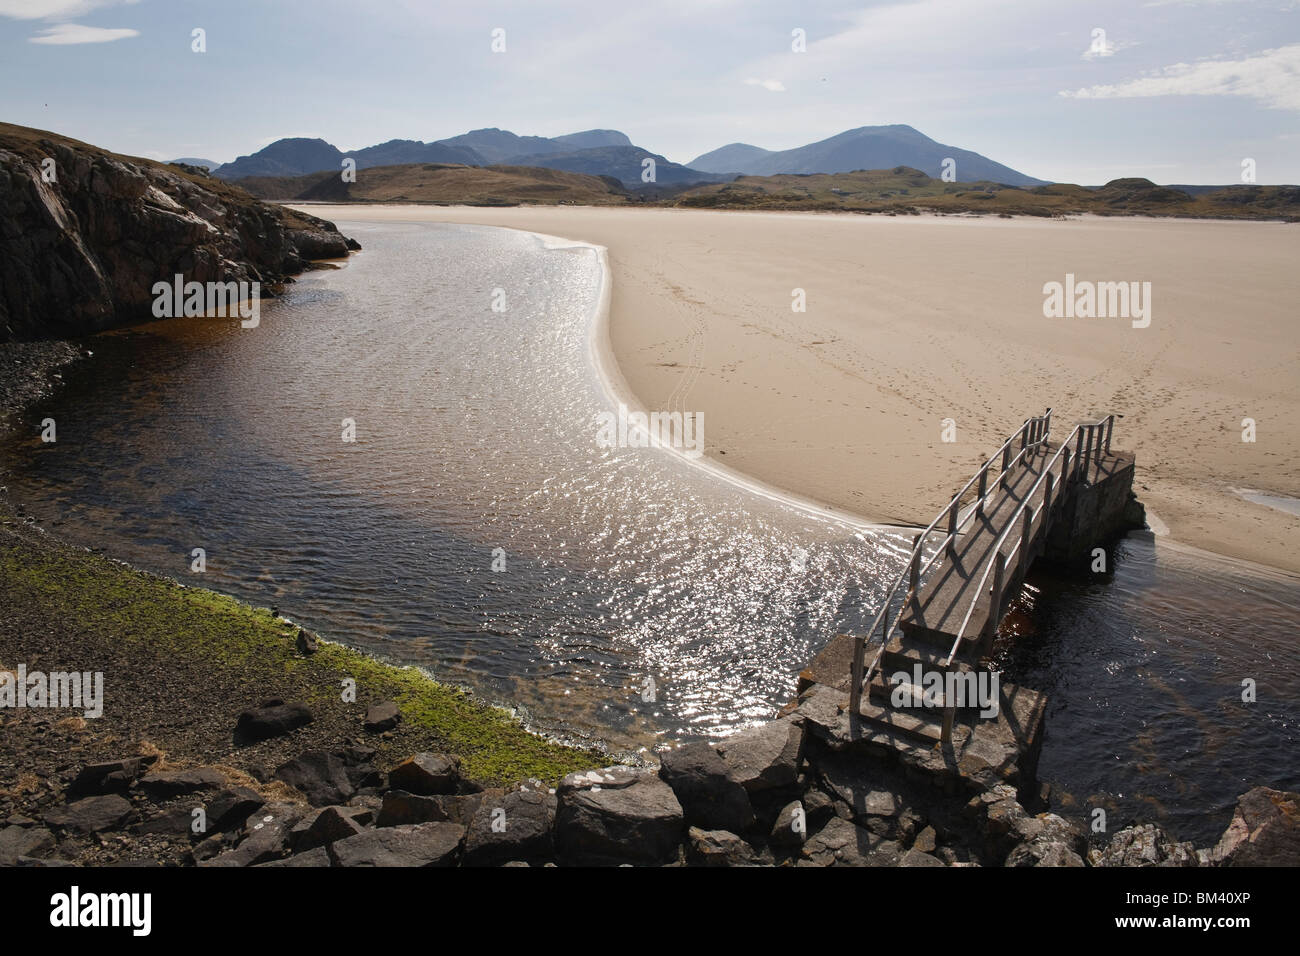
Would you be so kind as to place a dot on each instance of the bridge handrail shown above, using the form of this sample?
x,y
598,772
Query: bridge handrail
x,y
1040,428
1102,430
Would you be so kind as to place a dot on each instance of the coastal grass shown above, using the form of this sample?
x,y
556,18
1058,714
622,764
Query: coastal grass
x,y
107,601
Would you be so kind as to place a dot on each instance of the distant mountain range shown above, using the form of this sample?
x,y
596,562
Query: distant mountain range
x,y
605,152
868,147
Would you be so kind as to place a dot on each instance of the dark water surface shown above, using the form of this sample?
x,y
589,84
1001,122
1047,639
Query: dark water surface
x,y
476,431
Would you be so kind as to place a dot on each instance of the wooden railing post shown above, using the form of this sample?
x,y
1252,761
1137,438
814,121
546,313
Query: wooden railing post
x,y
995,601
1006,463
1025,531
983,489
855,681
1024,433
914,573
1065,466
1078,455
1110,427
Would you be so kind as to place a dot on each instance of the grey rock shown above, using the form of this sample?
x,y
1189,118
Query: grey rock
x,y
231,807
514,825
764,757
709,797
306,642
113,776
382,717
274,718
915,857
166,784
841,843
426,774
178,821
1145,845
92,814
326,826
721,848
1265,831
1051,841
791,827
421,844
31,842
320,776
265,836
317,856
615,816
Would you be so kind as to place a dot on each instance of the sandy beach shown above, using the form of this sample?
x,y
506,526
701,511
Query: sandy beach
x,y
913,320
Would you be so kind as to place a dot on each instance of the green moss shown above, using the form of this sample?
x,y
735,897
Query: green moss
x,y
117,603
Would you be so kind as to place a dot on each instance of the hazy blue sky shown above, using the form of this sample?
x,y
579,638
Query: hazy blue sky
x,y
1179,91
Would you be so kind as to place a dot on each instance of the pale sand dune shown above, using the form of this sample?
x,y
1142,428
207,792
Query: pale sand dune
x,y
912,320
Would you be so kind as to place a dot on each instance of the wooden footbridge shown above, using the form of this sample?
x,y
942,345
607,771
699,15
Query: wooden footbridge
x,y
942,611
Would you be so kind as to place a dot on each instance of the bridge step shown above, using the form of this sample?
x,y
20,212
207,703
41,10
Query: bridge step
x,y
921,729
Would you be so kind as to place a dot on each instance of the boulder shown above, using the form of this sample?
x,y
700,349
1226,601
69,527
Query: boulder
x,y
514,825
709,797
856,784
265,836
915,857
382,717
273,718
791,827
426,774
764,757
231,807
841,843
326,826
1145,845
166,784
1265,831
113,776
92,814
306,642
1051,841
721,848
615,816
321,777
29,842
178,821
421,844
318,856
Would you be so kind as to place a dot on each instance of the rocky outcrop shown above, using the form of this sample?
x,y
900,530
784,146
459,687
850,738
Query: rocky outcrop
x,y
1265,831
85,234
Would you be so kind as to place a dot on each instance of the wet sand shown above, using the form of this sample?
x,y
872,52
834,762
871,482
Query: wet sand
x,y
914,320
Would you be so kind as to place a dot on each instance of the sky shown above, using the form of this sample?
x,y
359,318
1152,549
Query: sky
x,y
1178,91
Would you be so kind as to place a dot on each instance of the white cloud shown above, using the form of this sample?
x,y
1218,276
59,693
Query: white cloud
x,y
776,86
1272,78
69,33
53,9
